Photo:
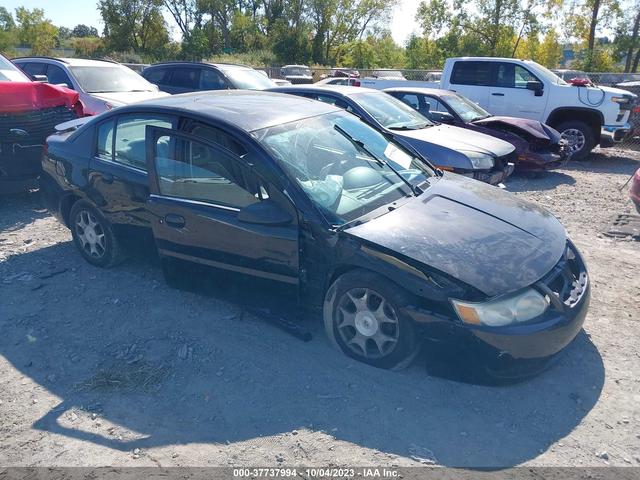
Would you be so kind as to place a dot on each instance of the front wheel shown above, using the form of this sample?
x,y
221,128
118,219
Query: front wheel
x,y
579,136
363,317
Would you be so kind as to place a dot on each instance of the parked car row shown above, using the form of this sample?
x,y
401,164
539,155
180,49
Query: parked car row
x,y
365,201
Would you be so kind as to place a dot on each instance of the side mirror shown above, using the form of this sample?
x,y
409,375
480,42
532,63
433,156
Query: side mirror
x,y
536,87
266,212
40,78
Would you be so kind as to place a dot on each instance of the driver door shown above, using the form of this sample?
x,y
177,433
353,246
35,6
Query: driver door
x,y
198,189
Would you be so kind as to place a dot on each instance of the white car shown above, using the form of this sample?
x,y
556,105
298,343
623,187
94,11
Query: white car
x,y
584,115
102,85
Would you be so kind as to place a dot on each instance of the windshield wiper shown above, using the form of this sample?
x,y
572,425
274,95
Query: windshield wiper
x,y
358,143
419,126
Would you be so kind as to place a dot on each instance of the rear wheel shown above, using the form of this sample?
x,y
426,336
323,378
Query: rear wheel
x,y
363,317
93,235
579,136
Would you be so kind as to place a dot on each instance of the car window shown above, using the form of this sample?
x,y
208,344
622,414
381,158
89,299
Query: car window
x,y
196,171
472,73
129,145
105,140
186,78
32,69
214,135
411,100
330,100
433,105
109,78
510,75
156,75
211,80
57,76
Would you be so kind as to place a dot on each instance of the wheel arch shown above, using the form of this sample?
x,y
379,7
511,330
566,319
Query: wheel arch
x,y
590,116
66,204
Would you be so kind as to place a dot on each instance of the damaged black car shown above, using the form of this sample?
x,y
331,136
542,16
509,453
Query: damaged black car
x,y
293,190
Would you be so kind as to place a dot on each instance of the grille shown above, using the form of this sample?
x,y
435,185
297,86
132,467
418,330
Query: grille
x,y
567,282
38,125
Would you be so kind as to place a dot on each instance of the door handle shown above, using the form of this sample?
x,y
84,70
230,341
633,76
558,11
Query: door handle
x,y
174,220
498,94
107,178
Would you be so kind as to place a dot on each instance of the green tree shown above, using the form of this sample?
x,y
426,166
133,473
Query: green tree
x,y
549,52
134,25
83,31
35,30
7,30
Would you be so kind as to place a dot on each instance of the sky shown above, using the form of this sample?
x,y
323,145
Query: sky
x,y
69,13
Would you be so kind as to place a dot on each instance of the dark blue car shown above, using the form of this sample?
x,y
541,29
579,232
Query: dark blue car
x,y
302,192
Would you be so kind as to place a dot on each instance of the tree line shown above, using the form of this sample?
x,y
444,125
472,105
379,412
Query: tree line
x,y
602,34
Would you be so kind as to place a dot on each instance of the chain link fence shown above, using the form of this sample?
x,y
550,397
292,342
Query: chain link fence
x,y
625,81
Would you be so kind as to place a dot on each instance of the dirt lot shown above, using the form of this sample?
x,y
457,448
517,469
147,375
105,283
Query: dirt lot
x,y
116,368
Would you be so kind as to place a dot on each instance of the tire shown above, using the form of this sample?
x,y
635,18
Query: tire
x,y
353,306
579,133
93,236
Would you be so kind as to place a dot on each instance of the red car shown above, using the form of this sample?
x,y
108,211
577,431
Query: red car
x,y
634,192
29,112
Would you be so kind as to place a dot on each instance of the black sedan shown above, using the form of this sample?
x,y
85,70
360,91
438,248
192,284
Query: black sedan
x,y
298,191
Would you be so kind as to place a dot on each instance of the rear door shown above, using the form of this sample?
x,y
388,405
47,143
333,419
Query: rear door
x,y
509,95
473,79
198,188
118,176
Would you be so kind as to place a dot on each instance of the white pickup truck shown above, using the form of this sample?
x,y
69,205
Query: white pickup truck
x,y
585,115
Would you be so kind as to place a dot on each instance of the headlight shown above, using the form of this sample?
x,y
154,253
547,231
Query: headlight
x,y
480,161
623,99
503,311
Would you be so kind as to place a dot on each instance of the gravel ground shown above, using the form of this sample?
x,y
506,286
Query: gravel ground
x,y
113,367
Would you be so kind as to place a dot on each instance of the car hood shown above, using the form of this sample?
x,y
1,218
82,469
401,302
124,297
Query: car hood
x,y
125,98
20,97
479,234
531,127
456,138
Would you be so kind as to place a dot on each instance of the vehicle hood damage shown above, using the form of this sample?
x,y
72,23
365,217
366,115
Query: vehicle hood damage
x,y
473,232
530,128
22,97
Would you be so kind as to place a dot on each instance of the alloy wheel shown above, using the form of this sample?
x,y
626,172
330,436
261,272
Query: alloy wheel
x,y
91,234
575,139
367,324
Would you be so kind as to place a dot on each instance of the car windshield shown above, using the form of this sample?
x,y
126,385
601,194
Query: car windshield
x,y
390,112
546,74
297,71
110,79
249,79
10,73
465,108
347,168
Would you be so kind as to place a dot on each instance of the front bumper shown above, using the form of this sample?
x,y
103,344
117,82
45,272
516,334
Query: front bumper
x,y
492,177
527,348
611,134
